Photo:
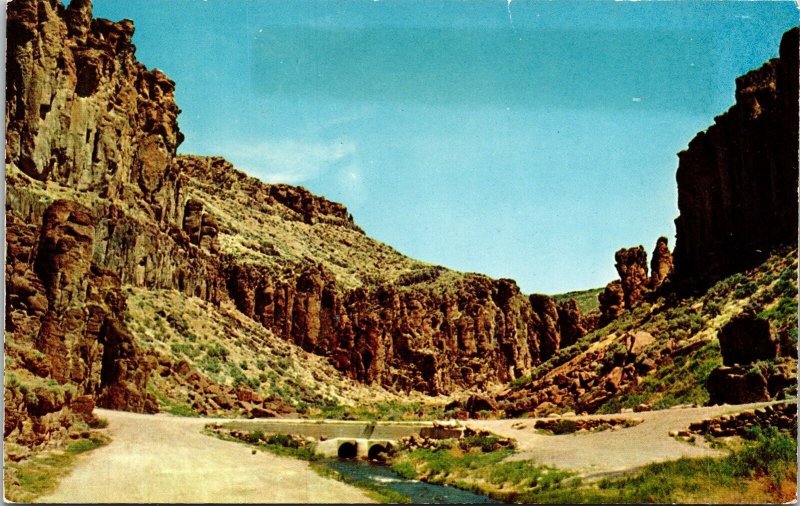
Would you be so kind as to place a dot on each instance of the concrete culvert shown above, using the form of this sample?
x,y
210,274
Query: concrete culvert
x,y
377,452
347,451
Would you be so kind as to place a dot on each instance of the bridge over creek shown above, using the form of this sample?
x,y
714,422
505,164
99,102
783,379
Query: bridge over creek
x,y
336,438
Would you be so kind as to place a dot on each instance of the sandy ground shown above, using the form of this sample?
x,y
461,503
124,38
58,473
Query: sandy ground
x,y
161,458
606,453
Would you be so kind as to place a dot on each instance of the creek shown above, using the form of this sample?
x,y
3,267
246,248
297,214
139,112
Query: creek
x,y
417,491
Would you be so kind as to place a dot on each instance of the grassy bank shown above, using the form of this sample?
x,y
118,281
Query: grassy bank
x,y
764,470
28,479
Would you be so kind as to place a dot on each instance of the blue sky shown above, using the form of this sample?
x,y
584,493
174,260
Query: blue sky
x,y
520,139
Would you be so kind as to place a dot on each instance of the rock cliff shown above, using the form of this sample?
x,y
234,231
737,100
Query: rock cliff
x,y
97,198
737,181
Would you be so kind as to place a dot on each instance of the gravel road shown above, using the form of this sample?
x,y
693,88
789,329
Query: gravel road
x,y
161,458
606,453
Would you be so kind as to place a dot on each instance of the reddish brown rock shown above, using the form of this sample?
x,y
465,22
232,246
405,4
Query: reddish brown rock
x,y
736,385
120,132
612,302
632,268
746,339
660,263
737,181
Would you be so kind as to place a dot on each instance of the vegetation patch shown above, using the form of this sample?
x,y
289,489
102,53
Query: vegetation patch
x,y
486,473
680,381
37,476
586,299
761,470
378,411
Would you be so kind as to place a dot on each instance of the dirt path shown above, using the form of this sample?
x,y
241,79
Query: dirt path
x,y
598,454
160,458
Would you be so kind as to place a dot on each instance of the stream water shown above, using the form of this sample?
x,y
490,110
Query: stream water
x,y
417,491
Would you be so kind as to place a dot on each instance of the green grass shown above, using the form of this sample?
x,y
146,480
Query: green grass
x,y
379,411
586,299
480,472
28,479
681,382
764,470
172,406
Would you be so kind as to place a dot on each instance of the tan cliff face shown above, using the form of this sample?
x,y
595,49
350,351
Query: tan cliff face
x,y
98,199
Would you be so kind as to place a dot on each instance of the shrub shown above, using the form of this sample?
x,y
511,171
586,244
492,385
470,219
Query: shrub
x,y
769,455
211,364
564,427
485,443
745,289
712,308
218,351
284,440
786,285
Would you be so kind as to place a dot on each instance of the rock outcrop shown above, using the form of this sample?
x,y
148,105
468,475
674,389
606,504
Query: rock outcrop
x,y
743,341
661,263
632,269
612,302
781,416
78,326
746,339
634,283
737,181
736,385
65,314
81,111
472,332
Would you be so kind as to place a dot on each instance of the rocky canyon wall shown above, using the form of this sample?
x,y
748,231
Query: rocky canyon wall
x,y
737,181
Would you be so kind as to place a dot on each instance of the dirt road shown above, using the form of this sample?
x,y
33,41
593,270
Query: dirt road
x,y
160,458
605,453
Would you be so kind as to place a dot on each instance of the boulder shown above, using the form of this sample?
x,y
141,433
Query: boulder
x,y
736,385
746,339
477,403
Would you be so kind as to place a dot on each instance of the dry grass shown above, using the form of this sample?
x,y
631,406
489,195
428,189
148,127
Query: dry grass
x,y
28,479
191,329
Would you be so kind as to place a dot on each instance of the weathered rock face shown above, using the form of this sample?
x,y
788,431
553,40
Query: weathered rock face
x,y
746,339
737,181
558,325
612,302
81,110
297,203
65,314
632,268
660,263
633,283
425,338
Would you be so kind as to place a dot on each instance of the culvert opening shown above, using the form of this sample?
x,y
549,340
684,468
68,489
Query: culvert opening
x,y
377,452
347,451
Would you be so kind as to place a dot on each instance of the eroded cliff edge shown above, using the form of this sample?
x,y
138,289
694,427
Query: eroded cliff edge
x,y
737,181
